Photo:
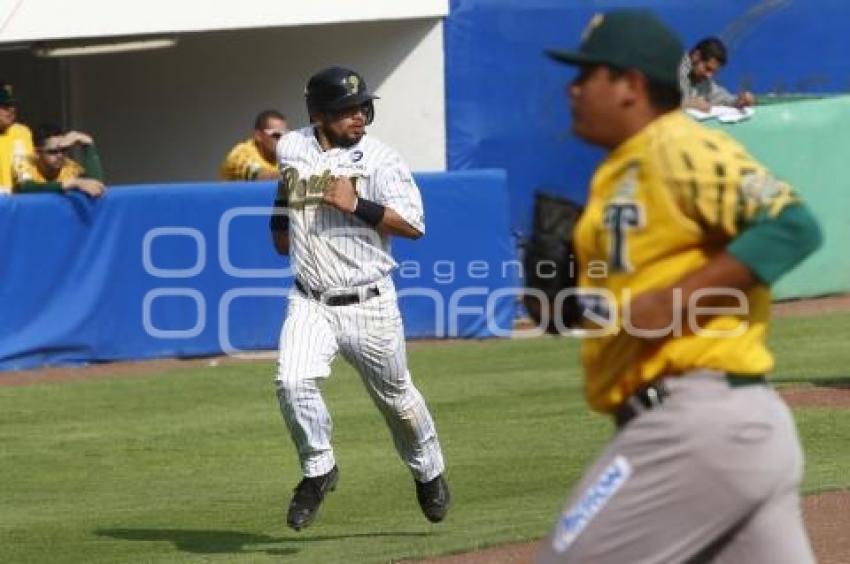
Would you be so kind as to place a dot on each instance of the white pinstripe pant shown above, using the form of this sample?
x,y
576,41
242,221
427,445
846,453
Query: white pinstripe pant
x,y
370,337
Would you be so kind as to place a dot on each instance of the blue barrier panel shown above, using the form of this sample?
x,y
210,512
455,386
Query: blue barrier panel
x,y
189,270
461,278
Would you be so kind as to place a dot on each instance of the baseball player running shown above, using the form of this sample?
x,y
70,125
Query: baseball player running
x,y
706,463
341,196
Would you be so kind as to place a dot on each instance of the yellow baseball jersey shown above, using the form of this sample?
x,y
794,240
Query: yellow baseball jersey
x,y
244,162
28,171
660,206
15,147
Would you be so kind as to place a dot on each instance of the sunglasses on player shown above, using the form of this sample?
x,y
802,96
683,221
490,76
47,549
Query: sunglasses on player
x,y
275,134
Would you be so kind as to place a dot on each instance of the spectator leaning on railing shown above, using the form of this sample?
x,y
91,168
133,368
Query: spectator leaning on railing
x,y
15,139
696,78
51,170
254,158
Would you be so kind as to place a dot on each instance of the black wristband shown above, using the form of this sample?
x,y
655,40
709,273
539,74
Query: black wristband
x,y
369,211
279,221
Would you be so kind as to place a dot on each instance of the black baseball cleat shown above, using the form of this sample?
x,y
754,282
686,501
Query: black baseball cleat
x,y
433,498
309,494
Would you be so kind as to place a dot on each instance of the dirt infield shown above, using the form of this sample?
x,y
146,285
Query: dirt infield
x,y
108,370
812,307
827,520
143,368
834,397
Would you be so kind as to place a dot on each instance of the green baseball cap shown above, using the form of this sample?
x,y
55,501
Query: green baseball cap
x,y
628,39
7,95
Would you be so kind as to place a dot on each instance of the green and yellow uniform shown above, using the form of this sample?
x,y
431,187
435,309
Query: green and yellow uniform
x,y
245,162
706,463
15,147
28,177
661,206
29,171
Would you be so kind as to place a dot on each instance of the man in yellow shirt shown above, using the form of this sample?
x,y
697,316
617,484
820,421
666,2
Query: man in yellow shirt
x,y
254,158
15,139
681,238
51,170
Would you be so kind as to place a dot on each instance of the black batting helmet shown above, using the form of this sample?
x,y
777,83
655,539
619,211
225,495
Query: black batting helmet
x,y
335,88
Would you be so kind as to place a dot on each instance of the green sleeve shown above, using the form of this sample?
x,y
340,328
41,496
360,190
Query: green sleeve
x,y
91,163
32,187
773,246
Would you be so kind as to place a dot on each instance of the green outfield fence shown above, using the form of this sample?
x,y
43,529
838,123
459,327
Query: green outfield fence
x,y
807,143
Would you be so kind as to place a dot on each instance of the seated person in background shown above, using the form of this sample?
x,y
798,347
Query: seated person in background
x,y
50,170
696,78
15,139
254,158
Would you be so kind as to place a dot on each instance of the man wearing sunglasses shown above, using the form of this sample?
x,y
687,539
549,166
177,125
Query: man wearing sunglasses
x,y
51,170
341,196
254,158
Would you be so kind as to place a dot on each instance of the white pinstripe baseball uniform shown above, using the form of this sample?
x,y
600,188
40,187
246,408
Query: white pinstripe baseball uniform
x,y
336,254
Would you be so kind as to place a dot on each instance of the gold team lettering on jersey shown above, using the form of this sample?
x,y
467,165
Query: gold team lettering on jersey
x,y
310,191
304,191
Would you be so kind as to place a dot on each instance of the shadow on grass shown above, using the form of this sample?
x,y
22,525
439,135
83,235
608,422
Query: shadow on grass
x,y
841,381
233,542
833,382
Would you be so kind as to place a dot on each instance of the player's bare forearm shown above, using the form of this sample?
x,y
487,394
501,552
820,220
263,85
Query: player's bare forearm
x,y
656,309
394,224
281,241
722,271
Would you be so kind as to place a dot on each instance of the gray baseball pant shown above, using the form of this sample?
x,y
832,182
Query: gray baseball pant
x,y
711,475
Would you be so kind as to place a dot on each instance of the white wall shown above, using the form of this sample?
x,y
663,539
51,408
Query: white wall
x,y
172,114
34,20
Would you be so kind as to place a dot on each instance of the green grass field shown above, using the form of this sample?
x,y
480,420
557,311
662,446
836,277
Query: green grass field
x,y
194,464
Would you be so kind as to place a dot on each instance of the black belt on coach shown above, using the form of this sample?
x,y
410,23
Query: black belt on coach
x,y
338,299
653,394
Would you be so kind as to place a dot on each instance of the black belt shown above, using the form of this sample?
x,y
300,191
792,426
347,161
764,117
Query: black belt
x,y
338,299
653,394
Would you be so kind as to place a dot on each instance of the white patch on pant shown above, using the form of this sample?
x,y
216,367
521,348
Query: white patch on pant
x,y
576,517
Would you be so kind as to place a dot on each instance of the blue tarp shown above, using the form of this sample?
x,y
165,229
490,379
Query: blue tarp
x,y
189,270
505,102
